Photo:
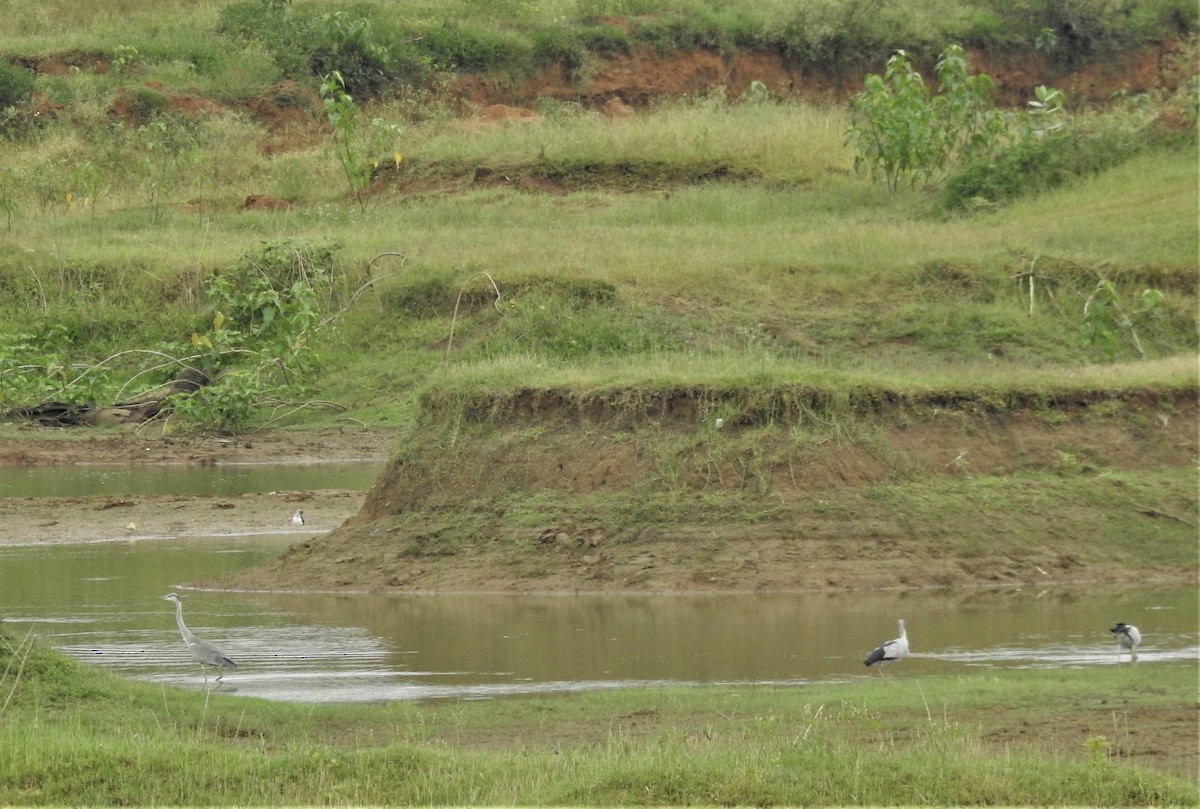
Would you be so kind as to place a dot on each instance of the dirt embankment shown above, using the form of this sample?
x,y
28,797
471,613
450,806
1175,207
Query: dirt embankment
x,y
555,499
644,75
621,82
555,502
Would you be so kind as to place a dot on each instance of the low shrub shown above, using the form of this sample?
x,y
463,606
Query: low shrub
x,y
16,86
1035,164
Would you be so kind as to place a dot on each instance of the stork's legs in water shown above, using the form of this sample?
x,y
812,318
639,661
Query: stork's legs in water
x,y
1132,656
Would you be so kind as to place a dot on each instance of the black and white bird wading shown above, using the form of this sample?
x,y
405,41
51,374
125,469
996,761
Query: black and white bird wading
x,y
889,651
1128,637
298,517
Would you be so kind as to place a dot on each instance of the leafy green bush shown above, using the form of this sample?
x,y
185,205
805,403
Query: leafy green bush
x,y
256,341
16,85
1037,163
359,144
1107,324
369,51
348,45
903,133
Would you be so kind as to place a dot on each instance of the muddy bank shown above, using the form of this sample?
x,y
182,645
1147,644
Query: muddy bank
x,y
544,501
540,501
38,520
41,446
48,520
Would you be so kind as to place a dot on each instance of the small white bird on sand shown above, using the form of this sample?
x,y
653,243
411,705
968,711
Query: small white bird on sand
x,y
889,651
298,517
1128,637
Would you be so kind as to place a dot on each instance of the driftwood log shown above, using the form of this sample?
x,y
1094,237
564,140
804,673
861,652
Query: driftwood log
x,y
144,408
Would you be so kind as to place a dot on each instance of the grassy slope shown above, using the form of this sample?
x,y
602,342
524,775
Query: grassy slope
x,y
712,256
1105,736
639,279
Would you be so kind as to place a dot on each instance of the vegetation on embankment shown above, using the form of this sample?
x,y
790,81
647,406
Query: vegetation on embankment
x,y
232,50
1107,735
152,225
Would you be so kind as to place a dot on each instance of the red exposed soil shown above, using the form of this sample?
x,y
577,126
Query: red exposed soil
x,y
644,75
292,113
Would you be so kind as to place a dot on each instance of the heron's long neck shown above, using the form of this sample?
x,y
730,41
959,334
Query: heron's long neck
x,y
179,620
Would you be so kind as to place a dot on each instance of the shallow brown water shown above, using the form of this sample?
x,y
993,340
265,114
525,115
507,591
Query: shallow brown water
x,y
100,603
116,480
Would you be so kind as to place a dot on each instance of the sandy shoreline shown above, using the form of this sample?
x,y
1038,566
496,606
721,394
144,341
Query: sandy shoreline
x,y
43,521
56,520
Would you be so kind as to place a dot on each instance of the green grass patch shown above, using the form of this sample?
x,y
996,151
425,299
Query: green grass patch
x,y
735,250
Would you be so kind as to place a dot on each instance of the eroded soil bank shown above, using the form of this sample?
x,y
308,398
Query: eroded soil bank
x,y
555,502
550,501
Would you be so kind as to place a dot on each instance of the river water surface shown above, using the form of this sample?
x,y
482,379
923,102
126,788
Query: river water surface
x,y
100,603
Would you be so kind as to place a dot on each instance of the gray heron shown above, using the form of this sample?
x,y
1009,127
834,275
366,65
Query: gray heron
x,y
889,651
298,517
1128,637
203,651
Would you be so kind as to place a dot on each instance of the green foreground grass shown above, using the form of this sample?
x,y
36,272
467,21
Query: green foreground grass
x,y
73,734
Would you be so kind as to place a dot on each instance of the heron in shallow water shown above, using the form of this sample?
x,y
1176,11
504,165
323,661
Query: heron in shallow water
x,y
298,517
203,651
889,651
1128,637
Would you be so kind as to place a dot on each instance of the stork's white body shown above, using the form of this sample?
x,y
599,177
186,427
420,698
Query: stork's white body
x,y
1128,637
889,651
298,518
